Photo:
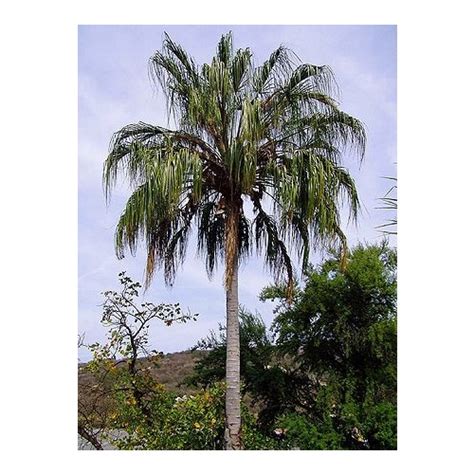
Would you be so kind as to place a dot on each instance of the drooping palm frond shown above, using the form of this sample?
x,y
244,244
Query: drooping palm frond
x,y
267,241
272,133
390,204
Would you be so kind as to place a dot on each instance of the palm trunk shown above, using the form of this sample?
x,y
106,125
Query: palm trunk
x,y
232,399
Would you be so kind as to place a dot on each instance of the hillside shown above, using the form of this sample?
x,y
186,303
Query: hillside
x,y
171,370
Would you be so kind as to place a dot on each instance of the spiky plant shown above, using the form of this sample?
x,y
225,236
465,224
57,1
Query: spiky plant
x,y
390,203
272,135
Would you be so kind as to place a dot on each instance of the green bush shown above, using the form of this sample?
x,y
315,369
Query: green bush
x,y
301,433
193,422
187,422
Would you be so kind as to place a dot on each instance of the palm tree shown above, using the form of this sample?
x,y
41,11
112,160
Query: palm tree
x,y
271,136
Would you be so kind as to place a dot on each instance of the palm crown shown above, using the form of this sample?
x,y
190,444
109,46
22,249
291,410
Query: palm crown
x,y
270,135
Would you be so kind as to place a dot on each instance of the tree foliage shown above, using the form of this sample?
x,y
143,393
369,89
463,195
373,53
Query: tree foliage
x,y
340,319
271,133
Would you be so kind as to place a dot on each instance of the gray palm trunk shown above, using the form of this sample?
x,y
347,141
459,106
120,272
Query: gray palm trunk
x,y
232,399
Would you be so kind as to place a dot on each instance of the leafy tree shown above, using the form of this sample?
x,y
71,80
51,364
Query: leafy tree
x,y
345,321
243,133
341,330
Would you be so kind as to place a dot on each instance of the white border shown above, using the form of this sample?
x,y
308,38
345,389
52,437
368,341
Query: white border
x,y
39,232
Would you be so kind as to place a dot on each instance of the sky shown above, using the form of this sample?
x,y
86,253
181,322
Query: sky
x,y
115,90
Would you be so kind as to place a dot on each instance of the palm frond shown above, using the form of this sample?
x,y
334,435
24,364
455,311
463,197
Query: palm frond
x,y
273,132
268,242
390,204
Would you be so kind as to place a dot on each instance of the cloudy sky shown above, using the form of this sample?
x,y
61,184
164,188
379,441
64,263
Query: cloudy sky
x,y
114,90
